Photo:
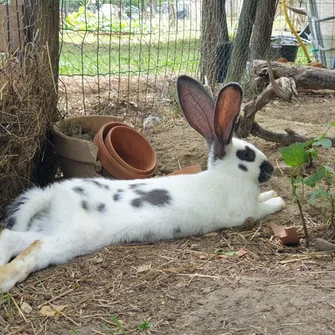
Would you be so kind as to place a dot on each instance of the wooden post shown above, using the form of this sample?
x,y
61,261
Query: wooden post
x,y
11,26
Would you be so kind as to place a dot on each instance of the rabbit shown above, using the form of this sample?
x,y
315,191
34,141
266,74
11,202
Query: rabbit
x,y
74,217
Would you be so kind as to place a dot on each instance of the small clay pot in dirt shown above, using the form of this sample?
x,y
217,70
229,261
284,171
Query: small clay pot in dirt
x,y
124,153
192,169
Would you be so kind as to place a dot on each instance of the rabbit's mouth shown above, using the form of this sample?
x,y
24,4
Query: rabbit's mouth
x,y
265,173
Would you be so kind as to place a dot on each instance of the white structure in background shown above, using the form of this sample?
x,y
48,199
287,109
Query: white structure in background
x,y
321,16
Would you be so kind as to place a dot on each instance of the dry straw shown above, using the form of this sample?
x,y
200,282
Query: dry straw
x,y
28,108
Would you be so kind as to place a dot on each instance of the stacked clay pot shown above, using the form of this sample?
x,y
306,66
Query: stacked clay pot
x,y
124,153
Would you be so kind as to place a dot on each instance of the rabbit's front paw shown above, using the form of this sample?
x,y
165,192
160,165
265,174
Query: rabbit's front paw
x,y
277,203
267,195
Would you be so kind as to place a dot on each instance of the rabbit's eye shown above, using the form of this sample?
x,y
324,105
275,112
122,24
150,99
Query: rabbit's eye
x,y
246,154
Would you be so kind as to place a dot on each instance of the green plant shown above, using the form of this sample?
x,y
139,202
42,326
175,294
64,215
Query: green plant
x,y
118,325
86,21
145,325
321,182
7,304
110,57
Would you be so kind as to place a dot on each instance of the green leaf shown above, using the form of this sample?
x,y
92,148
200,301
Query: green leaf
x,y
329,169
295,155
313,152
315,177
145,325
317,194
329,124
324,142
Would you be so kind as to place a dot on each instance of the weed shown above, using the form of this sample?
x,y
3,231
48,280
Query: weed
x,y
322,181
145,325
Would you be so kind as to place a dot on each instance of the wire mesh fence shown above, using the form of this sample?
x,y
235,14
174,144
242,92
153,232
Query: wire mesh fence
x,y
121,55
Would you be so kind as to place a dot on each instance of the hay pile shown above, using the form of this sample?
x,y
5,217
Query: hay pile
x,y
28,97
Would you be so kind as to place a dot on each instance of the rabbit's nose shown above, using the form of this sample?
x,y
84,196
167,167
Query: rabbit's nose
x,y
265,171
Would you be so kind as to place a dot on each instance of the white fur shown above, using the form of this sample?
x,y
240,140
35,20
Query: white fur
x,y
223,196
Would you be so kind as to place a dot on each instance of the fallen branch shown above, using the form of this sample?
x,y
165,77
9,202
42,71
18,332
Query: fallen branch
x,y
285,87
283,80
284,138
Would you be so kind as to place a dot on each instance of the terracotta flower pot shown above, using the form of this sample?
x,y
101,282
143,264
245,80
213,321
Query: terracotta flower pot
x,y
78,157
131,150
192,169
124,153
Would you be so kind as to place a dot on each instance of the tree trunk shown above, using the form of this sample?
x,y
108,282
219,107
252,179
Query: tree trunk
x,y
261,36
172,13
223,36
241,43
214,29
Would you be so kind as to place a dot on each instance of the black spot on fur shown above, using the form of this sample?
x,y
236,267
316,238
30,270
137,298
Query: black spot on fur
x,y
84,205
42,216
137,202
176,232
9,223
149,236
242,167
119,190
117,196
14,207
139,192
79,190
247,155
158,197
99,184
133,186
101,207
265,173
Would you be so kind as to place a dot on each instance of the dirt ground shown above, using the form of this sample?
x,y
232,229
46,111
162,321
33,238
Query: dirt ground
x,y
192,286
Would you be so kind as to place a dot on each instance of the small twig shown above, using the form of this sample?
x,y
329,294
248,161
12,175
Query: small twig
x,y
197,275
55,298
64,315
51,69
18,308
303,222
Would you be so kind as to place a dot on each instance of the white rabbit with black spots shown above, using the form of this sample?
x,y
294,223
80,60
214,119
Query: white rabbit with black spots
x,y
78,216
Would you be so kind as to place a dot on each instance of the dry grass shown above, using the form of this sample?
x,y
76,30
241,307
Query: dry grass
x,y
27,97
155,282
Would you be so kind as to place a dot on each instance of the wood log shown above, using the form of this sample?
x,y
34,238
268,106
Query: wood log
x,y
305,77
286,86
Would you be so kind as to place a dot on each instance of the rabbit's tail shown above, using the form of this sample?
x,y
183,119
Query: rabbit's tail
x,y
26,207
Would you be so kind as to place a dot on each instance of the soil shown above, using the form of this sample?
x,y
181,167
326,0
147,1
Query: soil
x,y
78,131
197,285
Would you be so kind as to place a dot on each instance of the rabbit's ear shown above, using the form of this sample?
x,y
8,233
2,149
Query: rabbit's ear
x,y
227,108
198,106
